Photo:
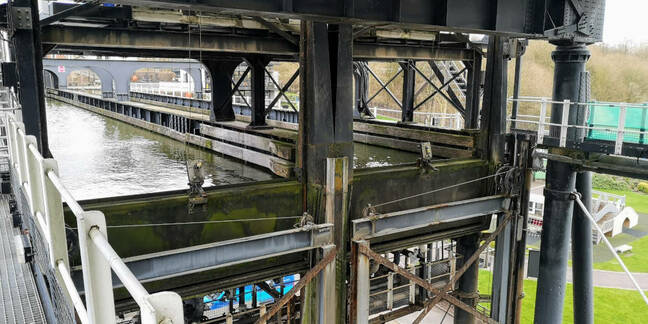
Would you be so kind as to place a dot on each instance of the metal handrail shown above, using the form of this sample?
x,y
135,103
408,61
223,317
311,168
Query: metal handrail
x,y
564,125
45,193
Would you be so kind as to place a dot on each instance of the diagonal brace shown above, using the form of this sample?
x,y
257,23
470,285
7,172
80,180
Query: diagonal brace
x,y
328,258
273,27
383,86
235,89
439,90
282,91
423,283
431,303
76,10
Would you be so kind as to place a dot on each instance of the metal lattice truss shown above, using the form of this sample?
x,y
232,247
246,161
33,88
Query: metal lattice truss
x,y
235,89
451,75
282,91
444,293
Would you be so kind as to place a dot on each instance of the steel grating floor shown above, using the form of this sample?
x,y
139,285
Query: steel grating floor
x,y
19,299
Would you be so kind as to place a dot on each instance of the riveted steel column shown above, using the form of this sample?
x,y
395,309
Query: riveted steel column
x,y
257,67
326,131
467,284
493,112
582,254
407,114
23,19
561,180
473,92
221,73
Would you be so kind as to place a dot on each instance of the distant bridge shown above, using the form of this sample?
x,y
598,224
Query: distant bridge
x,y
116,73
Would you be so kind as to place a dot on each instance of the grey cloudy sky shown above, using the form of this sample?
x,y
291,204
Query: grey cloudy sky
x,y
626,21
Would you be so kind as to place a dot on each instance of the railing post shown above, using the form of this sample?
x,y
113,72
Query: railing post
x,y
8,129
541,122
54,215
20,153
564,123
31,175
618,144
97,279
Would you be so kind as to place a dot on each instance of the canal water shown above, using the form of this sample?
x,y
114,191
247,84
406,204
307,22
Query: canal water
x,y
101,157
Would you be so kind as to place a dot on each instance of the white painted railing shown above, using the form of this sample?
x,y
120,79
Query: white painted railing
x,y
433,119
153,88
39,181
540,122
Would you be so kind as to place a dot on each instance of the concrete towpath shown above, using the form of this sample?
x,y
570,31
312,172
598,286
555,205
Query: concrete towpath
x,y
613,279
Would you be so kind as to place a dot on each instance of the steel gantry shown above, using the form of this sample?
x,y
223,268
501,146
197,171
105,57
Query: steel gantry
x,y
365,242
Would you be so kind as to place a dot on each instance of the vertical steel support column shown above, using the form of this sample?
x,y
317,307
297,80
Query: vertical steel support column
x,y
326,131
501,272
467,284
516,89
257,67
409,74
24,20
473,92
525,145
493,113
363,287
582,254
221,73
561,180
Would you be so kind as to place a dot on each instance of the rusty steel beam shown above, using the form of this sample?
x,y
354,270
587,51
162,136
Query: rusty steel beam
x,y
164,40
512,18
430,304
172,43
328,258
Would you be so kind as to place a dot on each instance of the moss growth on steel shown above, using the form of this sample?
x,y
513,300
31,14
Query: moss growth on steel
x,y
271,200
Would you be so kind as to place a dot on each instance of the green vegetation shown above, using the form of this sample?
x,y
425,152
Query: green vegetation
x,y
608,182
643,187
610,305
636,261
380,117
636,200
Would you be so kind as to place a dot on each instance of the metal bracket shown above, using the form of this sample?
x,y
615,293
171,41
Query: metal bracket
x,y
558,195
22,18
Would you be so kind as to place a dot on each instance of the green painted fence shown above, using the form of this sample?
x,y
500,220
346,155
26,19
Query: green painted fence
x,y
607,116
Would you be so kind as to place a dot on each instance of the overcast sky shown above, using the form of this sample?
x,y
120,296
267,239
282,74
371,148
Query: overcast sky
x,y
626,20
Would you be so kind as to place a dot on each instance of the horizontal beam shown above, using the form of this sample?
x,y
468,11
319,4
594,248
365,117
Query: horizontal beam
x,y
163,40
378,51
206,257
601,163
177,44
510,18
379,225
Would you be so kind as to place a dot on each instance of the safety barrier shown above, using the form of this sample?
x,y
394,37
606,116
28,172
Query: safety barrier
x,y
618,123
45,193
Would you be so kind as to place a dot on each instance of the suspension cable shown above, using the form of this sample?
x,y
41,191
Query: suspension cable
x,y
609,245
441,189
201,222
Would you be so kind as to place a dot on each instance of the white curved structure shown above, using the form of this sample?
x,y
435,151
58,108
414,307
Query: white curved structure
x,y
628,218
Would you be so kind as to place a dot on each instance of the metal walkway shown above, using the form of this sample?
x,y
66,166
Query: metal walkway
x,y
19,301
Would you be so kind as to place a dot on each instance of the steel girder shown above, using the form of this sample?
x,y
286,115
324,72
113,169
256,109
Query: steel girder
x,y
515,18
178,44
401,222
195,259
